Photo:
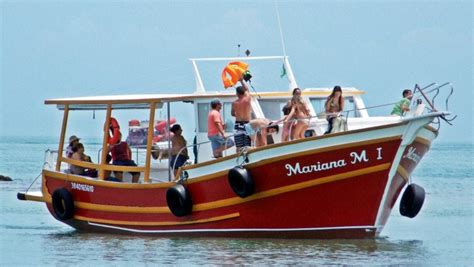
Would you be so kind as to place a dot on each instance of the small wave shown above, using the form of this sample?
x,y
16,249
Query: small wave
x,y
27,227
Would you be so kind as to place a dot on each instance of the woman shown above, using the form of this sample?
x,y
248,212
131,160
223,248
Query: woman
x,y
122,156
258,129
79,155
285,135
333,106
300,112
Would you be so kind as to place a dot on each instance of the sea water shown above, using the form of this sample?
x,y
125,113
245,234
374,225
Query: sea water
x,y
441,234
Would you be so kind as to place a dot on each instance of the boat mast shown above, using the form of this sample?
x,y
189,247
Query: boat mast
x,y
286,63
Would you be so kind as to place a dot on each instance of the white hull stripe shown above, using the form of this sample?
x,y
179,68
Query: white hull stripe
x,y
367,227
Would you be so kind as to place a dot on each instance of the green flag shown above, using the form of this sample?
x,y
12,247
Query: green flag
x,y
283,71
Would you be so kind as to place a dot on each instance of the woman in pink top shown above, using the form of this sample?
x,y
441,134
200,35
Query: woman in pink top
x,y
215,130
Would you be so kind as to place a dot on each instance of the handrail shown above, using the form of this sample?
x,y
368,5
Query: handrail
x,y
237,58
197,145
107,167
46,153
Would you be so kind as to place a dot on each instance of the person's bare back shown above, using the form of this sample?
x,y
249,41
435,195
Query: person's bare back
x,y
241,107
241,110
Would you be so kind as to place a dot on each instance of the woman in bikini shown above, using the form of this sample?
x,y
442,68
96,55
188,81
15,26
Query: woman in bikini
x,y
334,104
285,135
300,112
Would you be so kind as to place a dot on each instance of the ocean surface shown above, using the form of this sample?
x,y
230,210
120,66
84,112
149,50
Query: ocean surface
x,y
441,234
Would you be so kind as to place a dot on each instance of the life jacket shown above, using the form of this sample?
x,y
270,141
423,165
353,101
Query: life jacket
x,y
234,70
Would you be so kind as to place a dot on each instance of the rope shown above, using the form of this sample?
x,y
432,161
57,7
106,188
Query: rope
x,y
32,183
243,154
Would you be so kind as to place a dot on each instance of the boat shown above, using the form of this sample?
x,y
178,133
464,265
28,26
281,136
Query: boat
x,y
337,185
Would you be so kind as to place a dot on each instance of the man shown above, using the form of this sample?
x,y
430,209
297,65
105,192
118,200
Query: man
x,y
215,130
241,110
179,152
404,105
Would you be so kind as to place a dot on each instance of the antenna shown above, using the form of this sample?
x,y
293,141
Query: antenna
x,y
279,26
238,54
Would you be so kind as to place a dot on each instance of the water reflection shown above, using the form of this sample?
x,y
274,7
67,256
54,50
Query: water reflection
x,y
74,247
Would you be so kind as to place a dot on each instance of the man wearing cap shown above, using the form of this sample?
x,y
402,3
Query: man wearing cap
x,y
241,110
73,140
215,130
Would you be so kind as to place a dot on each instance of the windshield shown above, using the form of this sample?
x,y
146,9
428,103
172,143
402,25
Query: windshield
x,y
272,108
318,105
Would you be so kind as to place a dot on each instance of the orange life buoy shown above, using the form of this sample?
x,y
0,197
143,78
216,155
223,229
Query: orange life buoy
x,y
115,128
235,70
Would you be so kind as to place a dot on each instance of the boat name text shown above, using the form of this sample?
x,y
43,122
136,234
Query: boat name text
x,y
411,155
355,158
82,187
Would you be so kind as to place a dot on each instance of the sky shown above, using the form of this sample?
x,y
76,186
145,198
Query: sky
x,y
56,49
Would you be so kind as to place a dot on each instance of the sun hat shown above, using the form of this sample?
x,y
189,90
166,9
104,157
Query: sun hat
x,y
73,138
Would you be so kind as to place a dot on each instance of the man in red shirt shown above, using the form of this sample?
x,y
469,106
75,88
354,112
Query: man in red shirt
x,y
215,130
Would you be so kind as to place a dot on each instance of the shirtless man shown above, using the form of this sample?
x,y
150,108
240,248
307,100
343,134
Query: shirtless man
x,y
241,110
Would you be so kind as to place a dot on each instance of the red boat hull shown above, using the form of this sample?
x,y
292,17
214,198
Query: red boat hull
x,y
339,191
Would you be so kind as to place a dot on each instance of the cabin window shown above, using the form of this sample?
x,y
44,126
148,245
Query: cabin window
x,y
349,105
272,108
203,111
318,105
227,117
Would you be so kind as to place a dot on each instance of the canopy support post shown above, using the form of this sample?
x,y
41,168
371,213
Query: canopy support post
x,y
61,138
105,149
169,139
149,142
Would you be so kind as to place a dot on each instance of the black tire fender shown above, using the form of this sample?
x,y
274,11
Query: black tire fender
x,y
241,182
412,200
63,204
179,200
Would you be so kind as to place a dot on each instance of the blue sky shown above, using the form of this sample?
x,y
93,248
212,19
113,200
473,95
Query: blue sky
x,y
77,48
